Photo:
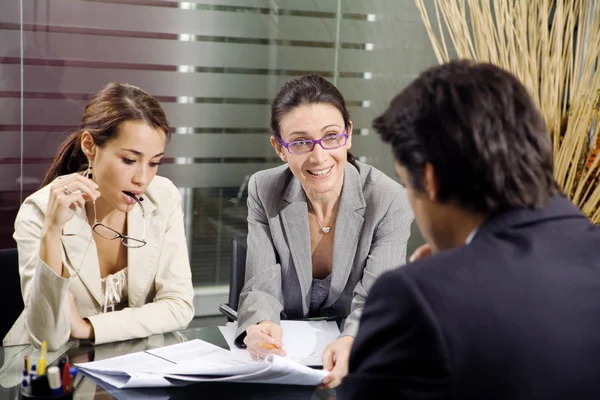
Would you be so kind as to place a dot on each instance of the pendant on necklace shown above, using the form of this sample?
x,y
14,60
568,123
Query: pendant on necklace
x,y
325,229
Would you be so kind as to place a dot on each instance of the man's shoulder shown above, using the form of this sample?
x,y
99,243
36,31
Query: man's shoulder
x,y
441,267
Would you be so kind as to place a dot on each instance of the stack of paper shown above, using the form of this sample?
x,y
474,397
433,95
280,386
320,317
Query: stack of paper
x,y
303,341
197,361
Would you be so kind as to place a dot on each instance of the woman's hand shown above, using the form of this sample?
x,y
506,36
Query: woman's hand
x,y
264,338
335,360
80,328
422,251
68,192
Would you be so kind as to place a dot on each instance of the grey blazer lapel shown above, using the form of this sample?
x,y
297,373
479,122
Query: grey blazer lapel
x,y
81,252
348,226
294,216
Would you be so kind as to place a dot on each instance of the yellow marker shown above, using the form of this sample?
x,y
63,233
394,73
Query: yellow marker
x,y
42,362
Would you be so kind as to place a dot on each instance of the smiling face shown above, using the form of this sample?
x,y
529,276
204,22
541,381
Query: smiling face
x,y
127,163
320,171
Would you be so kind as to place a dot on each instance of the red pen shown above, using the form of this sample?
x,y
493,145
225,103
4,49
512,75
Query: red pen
x,y
67,384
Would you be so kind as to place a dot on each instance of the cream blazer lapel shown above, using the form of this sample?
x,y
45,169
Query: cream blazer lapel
x,y
82,254
294,216
141,260
348,226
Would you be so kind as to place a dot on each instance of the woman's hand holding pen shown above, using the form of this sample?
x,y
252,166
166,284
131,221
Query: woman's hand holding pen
x,y
264,338
66,194
335,360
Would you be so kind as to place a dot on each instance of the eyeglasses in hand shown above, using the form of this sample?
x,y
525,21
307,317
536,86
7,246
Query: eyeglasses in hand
x,y
109,233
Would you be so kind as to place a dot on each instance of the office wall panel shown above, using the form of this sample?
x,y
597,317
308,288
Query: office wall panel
x,y
214,65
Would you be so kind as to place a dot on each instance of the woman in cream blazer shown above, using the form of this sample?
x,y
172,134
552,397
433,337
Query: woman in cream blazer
x,y
87,281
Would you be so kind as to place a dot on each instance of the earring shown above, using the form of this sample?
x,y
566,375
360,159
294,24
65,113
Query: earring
x,y
88,172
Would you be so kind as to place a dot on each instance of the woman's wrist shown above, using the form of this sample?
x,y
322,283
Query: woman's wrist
x,y
85,330
50,248
51,231
89,329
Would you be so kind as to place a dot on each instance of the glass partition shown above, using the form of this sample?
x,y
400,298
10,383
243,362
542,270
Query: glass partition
x,y
214,66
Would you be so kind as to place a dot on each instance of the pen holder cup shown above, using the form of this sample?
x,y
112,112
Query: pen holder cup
x,y
28,396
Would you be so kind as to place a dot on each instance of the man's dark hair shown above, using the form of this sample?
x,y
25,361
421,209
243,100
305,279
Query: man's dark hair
x,y
482,132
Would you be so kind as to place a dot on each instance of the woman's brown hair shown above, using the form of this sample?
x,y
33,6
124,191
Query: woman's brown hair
x,y
107,110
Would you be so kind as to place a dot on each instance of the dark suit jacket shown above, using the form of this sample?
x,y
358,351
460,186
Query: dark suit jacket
x,y
515,314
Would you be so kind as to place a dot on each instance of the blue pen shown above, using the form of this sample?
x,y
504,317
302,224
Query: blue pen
x,y
25,386
73,371
32,373
25,376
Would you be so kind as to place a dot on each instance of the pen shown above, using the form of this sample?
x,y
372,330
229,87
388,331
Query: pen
x,y
67,384
32,373
25,377
25,386
42,362
73,371
26,366
61,363
268,346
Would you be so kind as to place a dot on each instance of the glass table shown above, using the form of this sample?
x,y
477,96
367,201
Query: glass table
x,y
87,387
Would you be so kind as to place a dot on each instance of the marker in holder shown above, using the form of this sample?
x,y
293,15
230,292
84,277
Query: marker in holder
x,y
56,383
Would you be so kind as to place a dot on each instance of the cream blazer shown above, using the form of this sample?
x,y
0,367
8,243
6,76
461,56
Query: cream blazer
x,y
160,291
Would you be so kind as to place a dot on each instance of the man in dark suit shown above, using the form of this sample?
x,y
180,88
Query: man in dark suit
x,y
507,306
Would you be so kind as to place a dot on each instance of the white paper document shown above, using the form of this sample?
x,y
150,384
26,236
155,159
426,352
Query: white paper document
x,y
196,361
303,341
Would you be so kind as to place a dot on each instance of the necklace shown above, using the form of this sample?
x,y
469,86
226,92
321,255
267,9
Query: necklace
x,y
324,229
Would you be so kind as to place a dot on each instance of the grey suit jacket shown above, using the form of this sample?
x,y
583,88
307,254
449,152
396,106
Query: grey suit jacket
x,y
371,232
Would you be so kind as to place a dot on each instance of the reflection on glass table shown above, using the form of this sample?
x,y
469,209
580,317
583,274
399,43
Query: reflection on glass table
x,y
89,388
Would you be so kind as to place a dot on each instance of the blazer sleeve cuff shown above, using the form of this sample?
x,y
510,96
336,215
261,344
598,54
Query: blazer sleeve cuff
x,y
47,308
351,324
102,336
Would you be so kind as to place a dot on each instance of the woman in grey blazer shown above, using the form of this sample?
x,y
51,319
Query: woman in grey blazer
x,y
321,228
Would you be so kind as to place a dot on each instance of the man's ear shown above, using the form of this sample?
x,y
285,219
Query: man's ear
x,y
430,182
88,146
278,149
349,132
